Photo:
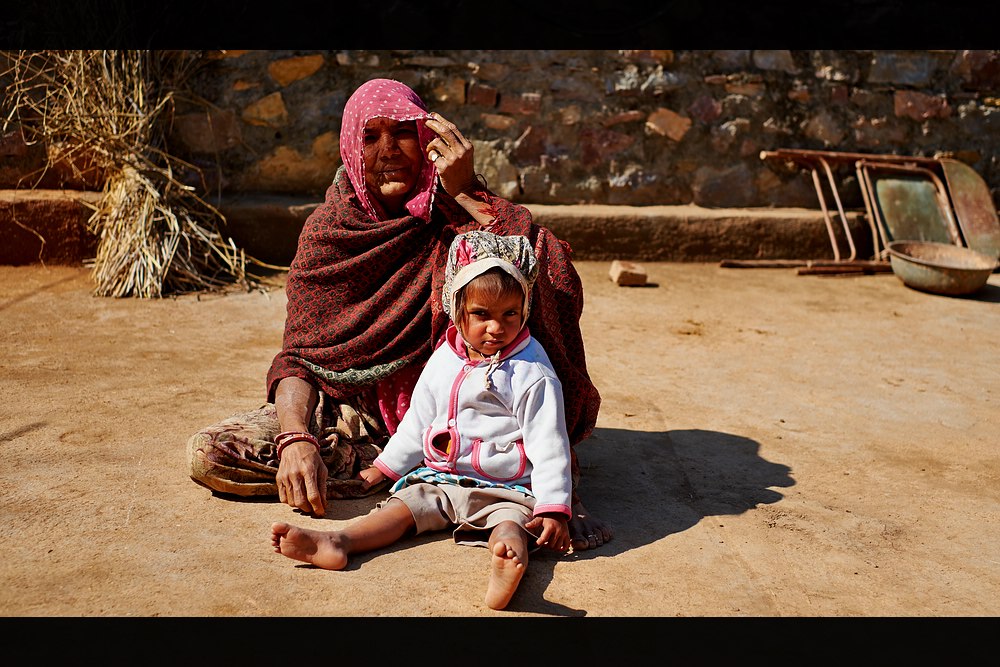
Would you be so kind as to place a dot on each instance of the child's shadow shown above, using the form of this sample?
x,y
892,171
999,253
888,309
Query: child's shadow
x,y
648,485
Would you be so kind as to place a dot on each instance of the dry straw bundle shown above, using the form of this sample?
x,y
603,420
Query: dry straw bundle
x,y
111,110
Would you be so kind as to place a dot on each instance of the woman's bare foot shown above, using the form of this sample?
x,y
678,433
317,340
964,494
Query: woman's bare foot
x,y
508,558
320,548
587,531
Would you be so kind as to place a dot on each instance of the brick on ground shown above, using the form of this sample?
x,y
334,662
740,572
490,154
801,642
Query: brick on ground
x,y
626,273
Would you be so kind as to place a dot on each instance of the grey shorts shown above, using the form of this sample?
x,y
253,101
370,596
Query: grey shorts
x,y
473,512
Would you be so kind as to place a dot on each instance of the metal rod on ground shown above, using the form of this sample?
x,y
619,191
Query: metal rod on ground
x,y
866,196
869,197
875,265
840,209
826,213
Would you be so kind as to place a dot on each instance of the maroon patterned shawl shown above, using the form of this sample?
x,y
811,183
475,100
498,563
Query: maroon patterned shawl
x,y
364,298
364,294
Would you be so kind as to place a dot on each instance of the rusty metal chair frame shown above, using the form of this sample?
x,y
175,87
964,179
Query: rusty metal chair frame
x,y
826,211
815,160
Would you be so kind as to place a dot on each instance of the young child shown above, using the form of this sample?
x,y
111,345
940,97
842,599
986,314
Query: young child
x,y
483,447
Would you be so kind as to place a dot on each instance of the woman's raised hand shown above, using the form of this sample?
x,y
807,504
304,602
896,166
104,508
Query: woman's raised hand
x,y
452,155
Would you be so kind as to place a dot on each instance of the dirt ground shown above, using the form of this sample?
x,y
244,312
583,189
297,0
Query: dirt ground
x,y
769,445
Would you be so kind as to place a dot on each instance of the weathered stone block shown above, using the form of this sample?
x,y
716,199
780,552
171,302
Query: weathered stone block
x,y
839,94
824,127
919,106
799,94
724,188
732,58
494,164
530,146
630,116
649,56
779,60
287,170
909,69
480,94
705,108
290,70
208,131
978,69
750,89
660,82
525,103
429,61
496,121
598,144
268,111
668,123
879,133
625,82
450,91
490,71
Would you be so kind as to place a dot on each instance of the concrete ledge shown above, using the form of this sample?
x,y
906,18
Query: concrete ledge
x,y
268,226
696,234
48,226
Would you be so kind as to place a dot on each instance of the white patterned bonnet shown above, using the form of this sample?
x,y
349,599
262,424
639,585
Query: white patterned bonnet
x,y
473,253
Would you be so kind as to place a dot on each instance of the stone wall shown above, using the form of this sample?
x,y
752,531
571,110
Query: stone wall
x,y
604,127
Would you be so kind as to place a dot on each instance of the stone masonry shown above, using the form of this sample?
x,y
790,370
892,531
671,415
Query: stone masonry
x,y
642,127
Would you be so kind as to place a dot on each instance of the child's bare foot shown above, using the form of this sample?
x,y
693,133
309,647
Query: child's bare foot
x,y
506,565
320,548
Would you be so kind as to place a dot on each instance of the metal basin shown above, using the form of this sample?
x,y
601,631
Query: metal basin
x,y
940,268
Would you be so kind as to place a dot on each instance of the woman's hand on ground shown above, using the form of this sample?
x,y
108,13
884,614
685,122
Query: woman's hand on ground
x,y
302,478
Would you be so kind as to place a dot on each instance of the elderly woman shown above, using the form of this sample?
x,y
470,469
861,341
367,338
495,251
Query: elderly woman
x,y
364,312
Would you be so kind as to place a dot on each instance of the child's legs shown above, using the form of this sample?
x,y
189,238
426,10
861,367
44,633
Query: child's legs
x,y
329,549
479,511
494,518
508,546
513,535
385,526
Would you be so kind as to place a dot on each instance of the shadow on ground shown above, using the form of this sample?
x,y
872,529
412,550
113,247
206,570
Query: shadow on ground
x,y
649,485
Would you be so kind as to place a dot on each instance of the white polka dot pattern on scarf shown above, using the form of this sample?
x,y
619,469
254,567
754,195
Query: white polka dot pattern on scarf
x,y
385,98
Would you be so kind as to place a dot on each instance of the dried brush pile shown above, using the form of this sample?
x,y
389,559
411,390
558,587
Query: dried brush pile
x,y
112,110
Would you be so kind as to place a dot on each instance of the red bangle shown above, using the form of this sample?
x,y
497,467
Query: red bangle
x,y
282,440
282,436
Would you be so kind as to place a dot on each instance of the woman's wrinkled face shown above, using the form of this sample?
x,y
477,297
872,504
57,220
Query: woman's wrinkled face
x,y
393,160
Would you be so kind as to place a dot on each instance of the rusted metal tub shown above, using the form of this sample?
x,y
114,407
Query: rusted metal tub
x,y
940,268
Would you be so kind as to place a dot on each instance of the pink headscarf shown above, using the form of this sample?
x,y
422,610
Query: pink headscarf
x,y
385,98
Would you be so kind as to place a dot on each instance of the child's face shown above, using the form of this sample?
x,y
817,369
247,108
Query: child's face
x,y
490,324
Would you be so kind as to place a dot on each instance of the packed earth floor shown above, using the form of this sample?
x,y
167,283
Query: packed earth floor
x,y
769,444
